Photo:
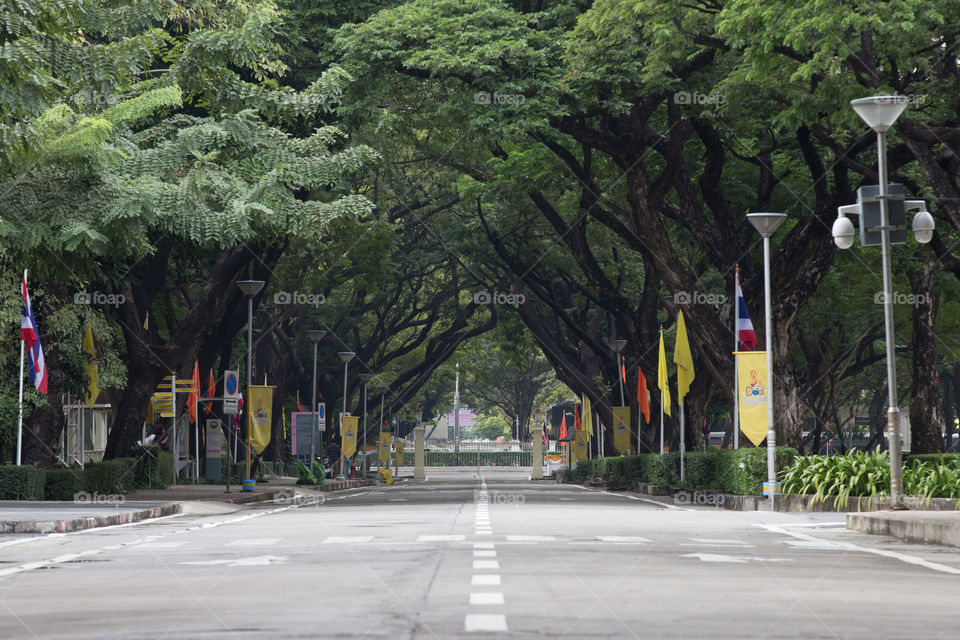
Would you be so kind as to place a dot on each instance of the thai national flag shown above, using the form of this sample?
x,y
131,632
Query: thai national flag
x,y
31,339
546,432
745,333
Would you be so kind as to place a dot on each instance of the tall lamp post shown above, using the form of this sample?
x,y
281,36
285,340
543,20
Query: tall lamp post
x,y
364,378
883,222
767,224
346,357
249,288
315,336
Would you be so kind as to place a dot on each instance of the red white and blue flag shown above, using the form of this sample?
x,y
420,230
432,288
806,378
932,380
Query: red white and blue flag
x,y
31,339
545,434
745,334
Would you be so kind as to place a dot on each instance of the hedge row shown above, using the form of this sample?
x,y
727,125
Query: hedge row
x,y
147,468
740,471
472,458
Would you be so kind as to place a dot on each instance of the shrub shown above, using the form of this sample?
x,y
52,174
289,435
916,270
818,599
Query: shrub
x,y
701,469
153,469
238,470
304,475
745,470
929,479
21,483
63,484
856,474
110,477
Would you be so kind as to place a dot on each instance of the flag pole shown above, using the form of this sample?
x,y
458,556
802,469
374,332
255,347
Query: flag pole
x,y
736,348
661,403
20,420
683,444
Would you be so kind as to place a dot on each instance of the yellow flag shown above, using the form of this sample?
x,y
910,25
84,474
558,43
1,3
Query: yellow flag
x,y
91,370
587,418
260,416
383,455
580,445
401,445
683,359
621,430
663,378
754,394
348,435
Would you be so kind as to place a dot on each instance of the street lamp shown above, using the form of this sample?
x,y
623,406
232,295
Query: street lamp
x,y
346,357
249,288
315,336
364,378
882,221
767,224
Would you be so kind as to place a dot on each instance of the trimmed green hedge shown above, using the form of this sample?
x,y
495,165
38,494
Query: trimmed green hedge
x,y
110,477
741,471
21,483
472,458
63,484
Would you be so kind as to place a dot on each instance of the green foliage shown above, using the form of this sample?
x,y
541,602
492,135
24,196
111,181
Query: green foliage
x,y
304,475
238,470
319,473
153,469
740,472
110,477
63,484
474,458
938,479
859,473
21,483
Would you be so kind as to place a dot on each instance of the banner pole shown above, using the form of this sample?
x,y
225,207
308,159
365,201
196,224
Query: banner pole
x,y
736,348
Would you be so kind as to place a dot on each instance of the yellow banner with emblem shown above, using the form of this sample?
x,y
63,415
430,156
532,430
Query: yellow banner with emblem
x,y
260,416
753,394
383,455
348,435
621,430
401,445
580,445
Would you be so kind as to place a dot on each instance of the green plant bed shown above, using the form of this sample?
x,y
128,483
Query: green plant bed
x,y
110,477
23,482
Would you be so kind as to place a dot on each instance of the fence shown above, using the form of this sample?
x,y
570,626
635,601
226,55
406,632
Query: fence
x,y
482,454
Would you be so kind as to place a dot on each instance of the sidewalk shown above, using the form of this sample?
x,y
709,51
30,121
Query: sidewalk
x,y
62,517
926,527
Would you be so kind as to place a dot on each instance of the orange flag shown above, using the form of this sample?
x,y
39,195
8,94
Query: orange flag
x,y
642,395
563,427
299,408
194,395
211,390
577,425
623,372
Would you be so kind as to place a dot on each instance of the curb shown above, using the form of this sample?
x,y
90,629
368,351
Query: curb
x,y
79,524
927,527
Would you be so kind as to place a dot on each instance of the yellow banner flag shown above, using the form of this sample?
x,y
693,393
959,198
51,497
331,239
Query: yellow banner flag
x,y
587,416
683,359
348,435
580,445
91,370
383,455
621,429
663,377
401,445
260,416
753,391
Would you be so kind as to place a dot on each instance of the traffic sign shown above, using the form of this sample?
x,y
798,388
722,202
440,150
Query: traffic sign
x,y
231,384
766,488
231,406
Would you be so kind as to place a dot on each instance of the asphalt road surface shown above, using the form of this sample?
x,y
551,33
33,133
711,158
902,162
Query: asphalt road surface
x,y
463,557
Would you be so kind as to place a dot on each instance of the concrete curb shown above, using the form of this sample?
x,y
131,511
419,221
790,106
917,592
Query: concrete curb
x,y
79,524
927,527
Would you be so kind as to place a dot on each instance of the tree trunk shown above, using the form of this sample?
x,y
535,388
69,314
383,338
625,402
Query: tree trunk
x,y
926,419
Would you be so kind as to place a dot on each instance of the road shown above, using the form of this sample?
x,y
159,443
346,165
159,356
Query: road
x,y
461,557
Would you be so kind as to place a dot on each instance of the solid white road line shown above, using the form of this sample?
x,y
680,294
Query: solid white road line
x,y
484,554
849,546
483,545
